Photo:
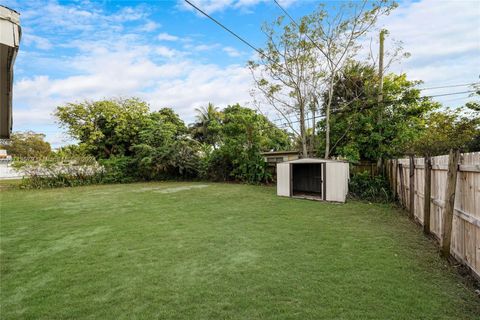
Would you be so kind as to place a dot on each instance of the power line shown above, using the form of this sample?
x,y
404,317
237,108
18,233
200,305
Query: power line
x,y
450,86
224,27
393,101
449,94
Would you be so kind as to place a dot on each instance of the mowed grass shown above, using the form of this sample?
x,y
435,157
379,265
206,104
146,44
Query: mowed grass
x,y
216,251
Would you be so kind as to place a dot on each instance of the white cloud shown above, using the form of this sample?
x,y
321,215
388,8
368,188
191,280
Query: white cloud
x,y
124,70
150,26
211,6
39,42
167,52
232,52
203,47
167,37
443,38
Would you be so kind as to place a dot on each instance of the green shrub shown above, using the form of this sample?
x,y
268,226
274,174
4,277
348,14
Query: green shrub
x,y
118,170
365,187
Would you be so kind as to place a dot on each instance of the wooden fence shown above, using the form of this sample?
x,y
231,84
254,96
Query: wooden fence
x,y
409,182
362,166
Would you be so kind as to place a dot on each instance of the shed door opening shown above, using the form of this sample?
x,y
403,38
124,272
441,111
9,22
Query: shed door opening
x,y
307,180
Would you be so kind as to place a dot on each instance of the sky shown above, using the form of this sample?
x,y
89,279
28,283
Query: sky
x,y
170,56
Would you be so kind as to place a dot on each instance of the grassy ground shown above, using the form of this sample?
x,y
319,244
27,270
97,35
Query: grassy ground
x,y
216,251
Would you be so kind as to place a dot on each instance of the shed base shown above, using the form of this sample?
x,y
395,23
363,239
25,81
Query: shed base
x,y
307,195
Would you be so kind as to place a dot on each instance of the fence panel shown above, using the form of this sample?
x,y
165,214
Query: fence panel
x,y
465,236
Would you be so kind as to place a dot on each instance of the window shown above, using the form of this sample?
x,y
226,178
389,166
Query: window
x,y
274,159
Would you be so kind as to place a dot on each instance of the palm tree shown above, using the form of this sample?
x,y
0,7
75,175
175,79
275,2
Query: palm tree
x,y
205,116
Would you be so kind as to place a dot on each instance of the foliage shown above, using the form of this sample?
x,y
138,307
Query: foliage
x,y
179,159
207,126
220,145
448,129
362,128
27,145
52,173
165,150
69,151
105,128
118,169
300,59
364,186
245,134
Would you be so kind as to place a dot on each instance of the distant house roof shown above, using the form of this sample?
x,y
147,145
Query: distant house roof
x,y
273,153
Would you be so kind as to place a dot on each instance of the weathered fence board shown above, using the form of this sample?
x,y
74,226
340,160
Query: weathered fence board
x,y
465,238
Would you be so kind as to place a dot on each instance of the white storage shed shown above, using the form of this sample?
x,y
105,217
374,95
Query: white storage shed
x,y
316,179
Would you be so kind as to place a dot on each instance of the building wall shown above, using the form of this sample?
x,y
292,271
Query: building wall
x,y
8,172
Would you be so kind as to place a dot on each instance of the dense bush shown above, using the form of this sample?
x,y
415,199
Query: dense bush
x,y
118,170
131,143
363,186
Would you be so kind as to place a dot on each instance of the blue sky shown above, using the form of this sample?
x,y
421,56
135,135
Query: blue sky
x,y
168,55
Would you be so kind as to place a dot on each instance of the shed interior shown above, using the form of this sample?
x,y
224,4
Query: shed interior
x,y
307,180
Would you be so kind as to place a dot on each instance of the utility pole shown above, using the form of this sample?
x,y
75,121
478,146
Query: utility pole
x,y
380,89
380,66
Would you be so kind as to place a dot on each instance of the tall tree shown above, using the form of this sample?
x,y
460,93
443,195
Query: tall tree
x,y
448,129
361,128
286,74
105,128
207,125
303,59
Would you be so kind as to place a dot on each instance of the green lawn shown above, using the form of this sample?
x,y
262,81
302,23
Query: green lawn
x,y
216,251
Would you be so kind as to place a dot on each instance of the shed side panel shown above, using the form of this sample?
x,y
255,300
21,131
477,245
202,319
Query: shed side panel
x,y
283,179
336,182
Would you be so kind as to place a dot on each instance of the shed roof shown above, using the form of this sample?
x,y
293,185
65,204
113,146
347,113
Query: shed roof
x,y
314,160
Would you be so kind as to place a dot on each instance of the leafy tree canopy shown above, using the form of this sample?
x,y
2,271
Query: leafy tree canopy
x,y
449,129
107,127
363,128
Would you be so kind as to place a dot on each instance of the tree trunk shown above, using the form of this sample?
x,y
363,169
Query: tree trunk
x,y
302,131
312,139
327,119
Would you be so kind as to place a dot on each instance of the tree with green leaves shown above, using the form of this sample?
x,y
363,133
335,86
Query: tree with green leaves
x,y
27,144
105,128
303,59
448,129
207,125
165,149
244,135
362,128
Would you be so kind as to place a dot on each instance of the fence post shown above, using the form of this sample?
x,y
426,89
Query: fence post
x,y
395,170
427,192
449,201
412,188
401,191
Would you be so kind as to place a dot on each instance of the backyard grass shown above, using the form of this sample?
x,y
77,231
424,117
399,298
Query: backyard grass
x,y
216,251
